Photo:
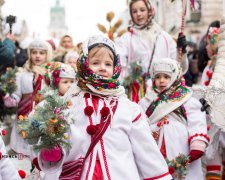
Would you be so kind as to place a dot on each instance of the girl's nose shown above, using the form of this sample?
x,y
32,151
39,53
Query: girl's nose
x,y
138,13
102,67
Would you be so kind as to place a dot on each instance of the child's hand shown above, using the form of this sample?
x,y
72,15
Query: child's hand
x,y
9,101
11,37
195,154
51,155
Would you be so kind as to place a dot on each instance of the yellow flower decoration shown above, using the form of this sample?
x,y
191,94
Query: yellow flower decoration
x,y
69,103
20,117
56,65
24,134
53,121
66,136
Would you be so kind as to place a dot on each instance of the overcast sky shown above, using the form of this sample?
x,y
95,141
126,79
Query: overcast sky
x,y
81,15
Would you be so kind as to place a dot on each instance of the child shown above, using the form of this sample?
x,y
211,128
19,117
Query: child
x,y
212,50
71,59
60,76
126,150
144,43
175,118
28,84
66,45
215,154
7,170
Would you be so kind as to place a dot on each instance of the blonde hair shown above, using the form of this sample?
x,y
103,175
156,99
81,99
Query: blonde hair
x,y
99,47
41,45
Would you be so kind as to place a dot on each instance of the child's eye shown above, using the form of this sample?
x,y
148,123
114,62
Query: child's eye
x,y
108,64
167,77
143,10
134,11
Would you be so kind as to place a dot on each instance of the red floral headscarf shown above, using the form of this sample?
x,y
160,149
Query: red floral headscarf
x,y
151,13
87,76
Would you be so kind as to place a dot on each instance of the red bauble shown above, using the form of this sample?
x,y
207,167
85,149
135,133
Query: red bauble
x,y
91,129
206,83
171,170
3,132
209,74
0,155
22,173
105,112
88,110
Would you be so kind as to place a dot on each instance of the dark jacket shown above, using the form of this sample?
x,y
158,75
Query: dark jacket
x,y
7,51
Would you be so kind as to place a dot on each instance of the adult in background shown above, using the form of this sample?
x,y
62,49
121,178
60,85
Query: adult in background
x,y
66,45
7,51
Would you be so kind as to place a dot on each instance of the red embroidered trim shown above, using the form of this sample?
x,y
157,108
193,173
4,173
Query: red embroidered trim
x,y
213,168
91,155
162,122
138,117
157,177
89,165
90,118
195,135
105,160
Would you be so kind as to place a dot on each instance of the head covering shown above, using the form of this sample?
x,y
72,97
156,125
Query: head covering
x,y
71,54
52,43
151,14
86,77
173,97
41,45
65,36
213,37
165,66
56,71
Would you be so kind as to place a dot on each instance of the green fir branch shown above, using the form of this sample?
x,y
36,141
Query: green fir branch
x,y
47,127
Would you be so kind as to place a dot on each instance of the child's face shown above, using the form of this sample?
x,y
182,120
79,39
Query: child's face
x,y
38,57
211,48
72,62
139,12
161,81
101,62
67,43
64,85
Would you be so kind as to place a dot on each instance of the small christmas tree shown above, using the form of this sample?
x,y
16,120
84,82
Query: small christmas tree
x,y
49,125
178,166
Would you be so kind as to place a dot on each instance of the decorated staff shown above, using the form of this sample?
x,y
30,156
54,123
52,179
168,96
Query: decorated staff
x,y
181,42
